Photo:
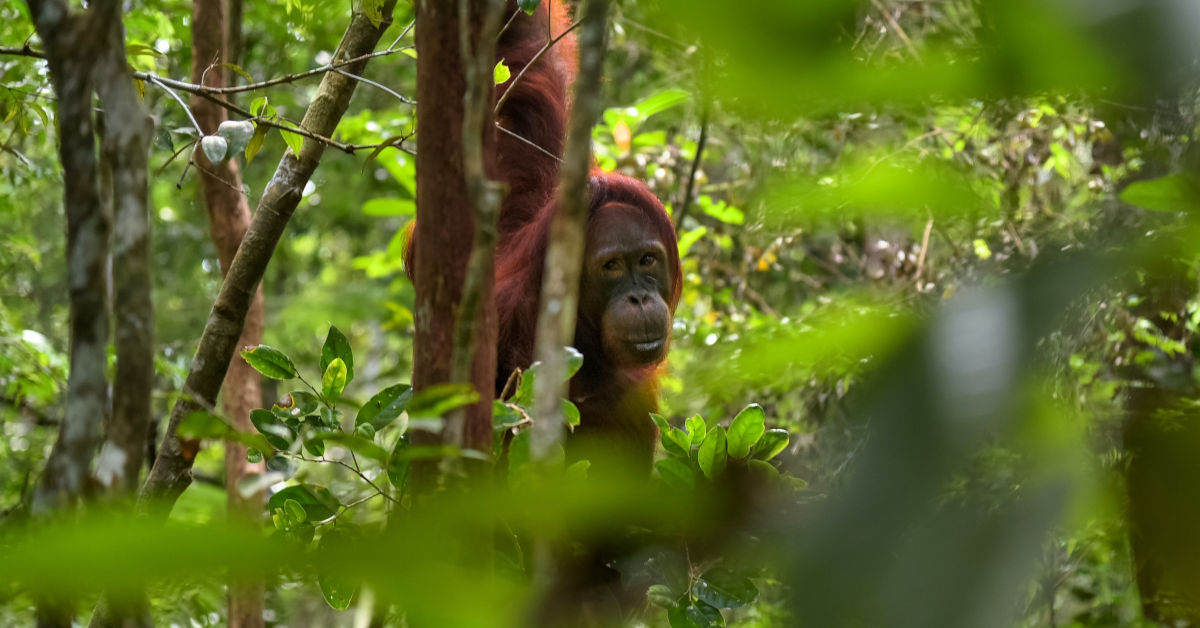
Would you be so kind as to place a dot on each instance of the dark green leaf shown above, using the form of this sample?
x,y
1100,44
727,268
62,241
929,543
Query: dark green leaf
x,y
1172,193
337,346
745,430
319,504
695,615
385,406
771,444
276,431
270,362
722,588
764,471
676,473
696,429
712,455
333,382
528,6
338,586
661,595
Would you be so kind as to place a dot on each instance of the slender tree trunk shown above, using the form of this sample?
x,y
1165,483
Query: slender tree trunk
x,y
228,219
444,221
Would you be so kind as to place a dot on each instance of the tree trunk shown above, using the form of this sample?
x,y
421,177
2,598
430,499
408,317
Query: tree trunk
x,y
228,220
445,222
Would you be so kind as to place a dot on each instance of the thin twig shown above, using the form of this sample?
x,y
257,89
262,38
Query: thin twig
x,y
403,99
532,62
887,15
921,257
404,32
531,143
689,192
23,51
193,88
186,109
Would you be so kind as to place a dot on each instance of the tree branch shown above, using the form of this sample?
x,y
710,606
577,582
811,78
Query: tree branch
x,y
560,285
172,469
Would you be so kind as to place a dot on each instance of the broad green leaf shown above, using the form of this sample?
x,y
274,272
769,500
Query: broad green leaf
x,y
660,102
695,615
1172,193
270,362
385,406
501,72
276,431
355,443
390,207
745,430
294,140
676,442
298,403
570,414
676,473
333,382
722,588
771,444
338,586
574,361
294,511
319,504
528,6
713,455
201,424
660,421
337,346
764,471
661,595
256,142
696,429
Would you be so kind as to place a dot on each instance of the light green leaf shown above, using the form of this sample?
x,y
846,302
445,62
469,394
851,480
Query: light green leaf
x,y
745,430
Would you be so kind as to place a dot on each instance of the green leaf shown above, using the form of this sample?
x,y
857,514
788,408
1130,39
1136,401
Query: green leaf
x,y
253,455
385,406
294,511
661,595
399,463
771,444
1172,193
256,142
501,73
278,434
270,362
722,588
337,585
660,102
712,455
318,503
745,430
660,421
293,140
570,414
674,441
355,443
676,473
337,346
764,471
390,207
298,403
574,361
696,429
695,615
201,424
333,382
578,470
528,6
439,399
